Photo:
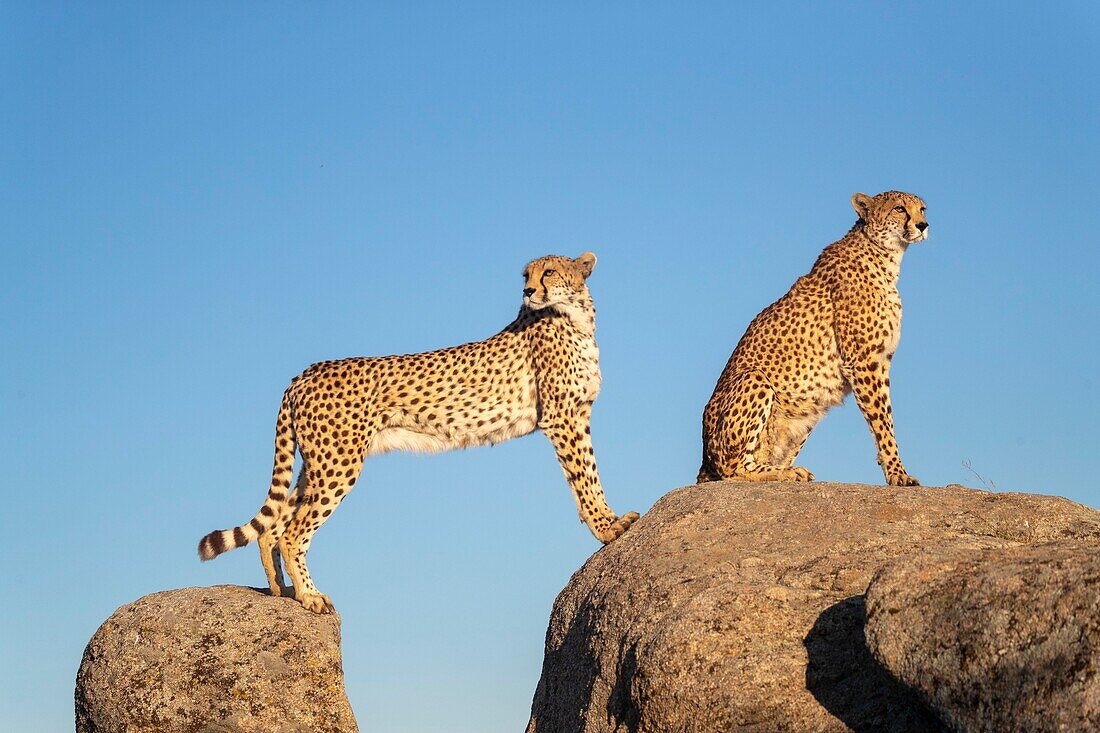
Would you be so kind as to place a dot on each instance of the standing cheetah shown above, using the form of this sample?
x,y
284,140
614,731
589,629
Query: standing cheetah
x,y
542,371
834,332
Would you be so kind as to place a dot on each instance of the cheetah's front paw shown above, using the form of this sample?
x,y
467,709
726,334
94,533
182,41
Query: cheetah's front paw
x,y
901,479
616,528
317,602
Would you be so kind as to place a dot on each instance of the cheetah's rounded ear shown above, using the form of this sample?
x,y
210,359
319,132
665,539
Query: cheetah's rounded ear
x,y
861,202
587,263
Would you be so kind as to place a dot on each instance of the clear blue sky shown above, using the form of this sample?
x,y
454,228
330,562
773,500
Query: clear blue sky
x,y
201,200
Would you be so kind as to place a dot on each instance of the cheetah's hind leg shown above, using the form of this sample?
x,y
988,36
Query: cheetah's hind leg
x,y
268,542
325,482
742,444
272,561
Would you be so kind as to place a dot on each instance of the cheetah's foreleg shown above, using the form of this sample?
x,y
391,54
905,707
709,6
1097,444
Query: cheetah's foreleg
x,y
570,434
870,383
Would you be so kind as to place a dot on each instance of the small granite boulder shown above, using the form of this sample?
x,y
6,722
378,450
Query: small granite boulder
x,y
1003,640
225,659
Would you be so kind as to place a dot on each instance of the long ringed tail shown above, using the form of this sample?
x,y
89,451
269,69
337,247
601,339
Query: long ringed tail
x,y
222,540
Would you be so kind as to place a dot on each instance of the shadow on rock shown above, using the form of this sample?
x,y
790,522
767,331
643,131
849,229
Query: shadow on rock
x,y
620,704
849,683
568,674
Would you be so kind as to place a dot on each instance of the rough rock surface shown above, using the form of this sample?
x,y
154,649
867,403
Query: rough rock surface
x,y
225,659
736,606
1004,640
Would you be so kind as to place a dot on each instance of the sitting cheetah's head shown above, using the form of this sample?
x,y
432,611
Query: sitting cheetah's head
x,y
557,282
893,218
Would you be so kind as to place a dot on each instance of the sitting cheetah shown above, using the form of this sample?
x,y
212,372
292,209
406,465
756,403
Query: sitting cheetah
x,y
542,371
834,332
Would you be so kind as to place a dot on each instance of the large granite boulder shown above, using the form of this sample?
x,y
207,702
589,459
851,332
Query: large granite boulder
x,y
737,606
213,660
1003,640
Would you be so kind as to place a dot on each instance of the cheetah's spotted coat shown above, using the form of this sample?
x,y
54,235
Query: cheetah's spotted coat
x,y
542,371
834,332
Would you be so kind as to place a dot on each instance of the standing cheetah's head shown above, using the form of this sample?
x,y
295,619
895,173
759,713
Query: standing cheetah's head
x,y
557,282
893,218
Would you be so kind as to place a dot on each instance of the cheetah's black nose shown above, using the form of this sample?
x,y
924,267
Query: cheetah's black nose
x,y
531,291
922,226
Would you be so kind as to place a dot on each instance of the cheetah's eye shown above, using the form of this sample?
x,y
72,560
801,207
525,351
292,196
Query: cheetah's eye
x,y
899,209
922,209
547,272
